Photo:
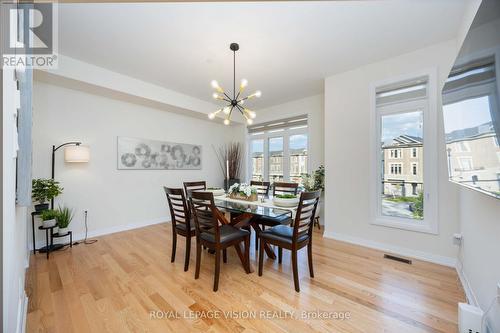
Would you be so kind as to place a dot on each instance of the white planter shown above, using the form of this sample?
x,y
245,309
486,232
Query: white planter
x,y
63,231
49,223
285,202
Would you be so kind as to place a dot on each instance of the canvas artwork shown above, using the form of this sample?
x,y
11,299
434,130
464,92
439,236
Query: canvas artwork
x,y
143,154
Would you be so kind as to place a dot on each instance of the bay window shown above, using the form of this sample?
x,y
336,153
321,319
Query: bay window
x,y
278,150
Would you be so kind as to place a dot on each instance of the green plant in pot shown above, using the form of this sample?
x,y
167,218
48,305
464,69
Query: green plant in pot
x,y
64,217
49,217
44,190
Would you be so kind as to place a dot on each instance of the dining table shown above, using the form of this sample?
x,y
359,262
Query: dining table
x,y
246,214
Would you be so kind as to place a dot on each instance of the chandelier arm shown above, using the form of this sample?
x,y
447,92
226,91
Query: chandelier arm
x,y
240,108
229,98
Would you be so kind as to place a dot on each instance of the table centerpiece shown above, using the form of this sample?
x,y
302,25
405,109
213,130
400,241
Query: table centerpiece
x,y
242,192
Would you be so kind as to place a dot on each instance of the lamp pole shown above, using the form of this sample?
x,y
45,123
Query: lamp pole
x,y
54,149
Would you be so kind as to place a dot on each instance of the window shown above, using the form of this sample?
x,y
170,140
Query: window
x,y
463,147
297,147
396,168
282,148
275,159
403,193
495,142
257,158
465,163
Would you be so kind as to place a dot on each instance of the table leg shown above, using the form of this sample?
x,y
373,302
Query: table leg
x,y
269,251
248,269
47,241
33,230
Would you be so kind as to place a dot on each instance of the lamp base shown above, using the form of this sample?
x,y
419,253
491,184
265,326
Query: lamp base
x,y
51,248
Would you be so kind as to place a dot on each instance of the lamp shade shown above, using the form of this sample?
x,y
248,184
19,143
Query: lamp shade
x,y
76,154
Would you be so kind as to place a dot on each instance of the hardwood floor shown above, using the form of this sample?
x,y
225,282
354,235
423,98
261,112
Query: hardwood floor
x,y
126,283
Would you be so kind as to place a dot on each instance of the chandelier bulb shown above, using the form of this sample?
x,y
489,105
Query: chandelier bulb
x,y
211,115
243,84
226,121
249,121
215,95
258,93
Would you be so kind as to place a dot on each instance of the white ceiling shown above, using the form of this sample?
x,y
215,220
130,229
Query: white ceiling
x,y
286,48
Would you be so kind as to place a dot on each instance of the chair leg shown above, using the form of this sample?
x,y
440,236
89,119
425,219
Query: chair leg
x,y
310,259
188,253
256,242
224,256
198,260
261,256
247,253
217,269
295,270
174,246
280,254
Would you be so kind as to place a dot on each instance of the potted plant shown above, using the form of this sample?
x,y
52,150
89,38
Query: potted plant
x,y
229,157
242,192
286,200
64,217
48,217
315,182
44,190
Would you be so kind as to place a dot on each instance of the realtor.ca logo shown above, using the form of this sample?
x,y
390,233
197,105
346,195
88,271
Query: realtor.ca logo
x,y
30,39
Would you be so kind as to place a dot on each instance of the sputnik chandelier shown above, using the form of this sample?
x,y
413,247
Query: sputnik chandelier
x,y
234,103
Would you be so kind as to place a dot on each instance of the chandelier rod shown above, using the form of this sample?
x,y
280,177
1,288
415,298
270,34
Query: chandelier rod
x,y
234,74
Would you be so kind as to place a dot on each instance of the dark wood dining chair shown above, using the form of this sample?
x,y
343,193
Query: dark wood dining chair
x,y
285,188
194,186
182,222
262,187
293,238
215,232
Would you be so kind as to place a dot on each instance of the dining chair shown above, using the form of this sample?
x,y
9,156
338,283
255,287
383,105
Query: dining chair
x,y
194,186
182,222
214,232
293,238
285,188
262,187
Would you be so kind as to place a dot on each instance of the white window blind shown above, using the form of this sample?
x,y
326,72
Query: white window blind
x,y
402,91
474,73
282,124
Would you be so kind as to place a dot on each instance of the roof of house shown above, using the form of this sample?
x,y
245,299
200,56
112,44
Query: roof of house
x,y
470,132
403,141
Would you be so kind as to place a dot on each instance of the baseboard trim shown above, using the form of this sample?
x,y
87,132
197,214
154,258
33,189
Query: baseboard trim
x,y
403,251
22,314
113,229
469,293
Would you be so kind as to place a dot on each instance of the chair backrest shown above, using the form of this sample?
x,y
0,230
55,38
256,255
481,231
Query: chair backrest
x,y
262,187
179,210
194,186
306,211
285,188
205,214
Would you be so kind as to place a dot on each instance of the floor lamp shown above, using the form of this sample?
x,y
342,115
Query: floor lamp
x,y
74,152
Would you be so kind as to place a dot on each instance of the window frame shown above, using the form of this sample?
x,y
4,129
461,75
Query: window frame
x,y
429,224
285,134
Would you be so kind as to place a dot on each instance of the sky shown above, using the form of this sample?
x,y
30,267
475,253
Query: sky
x,y
467,113
409,123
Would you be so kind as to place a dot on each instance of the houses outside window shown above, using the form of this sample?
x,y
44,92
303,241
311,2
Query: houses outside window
x,y
414,152
414,169
279,150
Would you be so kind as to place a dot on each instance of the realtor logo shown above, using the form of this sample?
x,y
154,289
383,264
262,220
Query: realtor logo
x,y
30,39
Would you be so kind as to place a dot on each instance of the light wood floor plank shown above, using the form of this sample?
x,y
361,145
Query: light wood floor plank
x,y
121,282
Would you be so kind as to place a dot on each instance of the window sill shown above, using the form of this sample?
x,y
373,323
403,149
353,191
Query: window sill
x,y
403,224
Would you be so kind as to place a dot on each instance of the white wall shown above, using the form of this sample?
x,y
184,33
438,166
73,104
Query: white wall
x,y
116,199
312,106
348,164
13,217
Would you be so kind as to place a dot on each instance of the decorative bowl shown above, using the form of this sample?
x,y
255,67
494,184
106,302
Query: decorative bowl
x,y
216,191
285,202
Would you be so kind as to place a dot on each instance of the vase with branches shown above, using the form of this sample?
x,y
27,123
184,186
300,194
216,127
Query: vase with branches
x,y
229,156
